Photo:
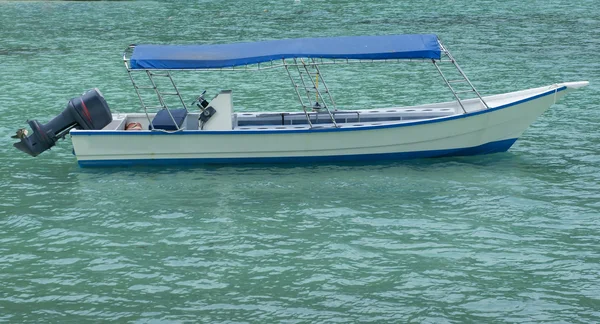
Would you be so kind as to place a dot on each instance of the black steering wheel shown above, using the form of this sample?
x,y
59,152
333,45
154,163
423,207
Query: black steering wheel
x,y
200,101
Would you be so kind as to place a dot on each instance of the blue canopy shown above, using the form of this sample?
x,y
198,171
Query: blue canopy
x,y
419,46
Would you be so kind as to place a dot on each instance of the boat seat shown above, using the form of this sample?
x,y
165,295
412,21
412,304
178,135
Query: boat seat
x,y
163,120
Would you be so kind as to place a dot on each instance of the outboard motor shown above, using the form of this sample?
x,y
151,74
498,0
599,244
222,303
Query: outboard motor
x,y
90,111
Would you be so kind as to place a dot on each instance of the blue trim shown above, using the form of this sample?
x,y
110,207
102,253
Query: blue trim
x,y
488,148
313,130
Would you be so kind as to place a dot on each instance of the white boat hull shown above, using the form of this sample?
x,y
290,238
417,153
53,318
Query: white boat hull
x,y
476,132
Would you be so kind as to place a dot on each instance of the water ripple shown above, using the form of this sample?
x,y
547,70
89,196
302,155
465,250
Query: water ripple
x,y
503,238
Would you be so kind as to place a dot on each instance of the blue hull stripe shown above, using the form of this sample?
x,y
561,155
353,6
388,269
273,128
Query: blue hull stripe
x,y
314,130
492,147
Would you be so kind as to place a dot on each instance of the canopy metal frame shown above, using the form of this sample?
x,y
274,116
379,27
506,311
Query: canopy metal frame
x,y
313,73
151,74
305,76
463,78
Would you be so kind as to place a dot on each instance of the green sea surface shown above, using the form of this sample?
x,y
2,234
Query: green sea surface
x,y
504,238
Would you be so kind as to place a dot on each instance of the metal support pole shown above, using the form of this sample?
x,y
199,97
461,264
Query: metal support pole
x,y
462,73
137,91
325,85
160,99
449,86
297,93
302,79
176,90
319,93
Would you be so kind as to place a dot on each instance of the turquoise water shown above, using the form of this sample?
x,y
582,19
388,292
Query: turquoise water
x,y
510,237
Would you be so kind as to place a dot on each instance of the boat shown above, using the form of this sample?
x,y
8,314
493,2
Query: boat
x,y
211,132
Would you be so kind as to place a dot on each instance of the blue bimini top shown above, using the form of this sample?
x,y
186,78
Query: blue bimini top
x,y
189,57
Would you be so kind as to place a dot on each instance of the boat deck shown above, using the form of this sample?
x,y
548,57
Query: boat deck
x,y
298,120
356,118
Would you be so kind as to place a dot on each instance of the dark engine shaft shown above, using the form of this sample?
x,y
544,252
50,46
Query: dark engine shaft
x,y
90,111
